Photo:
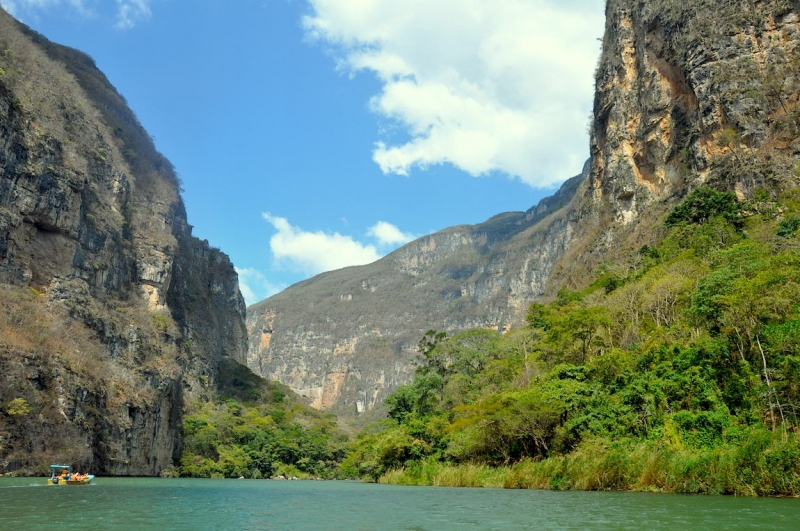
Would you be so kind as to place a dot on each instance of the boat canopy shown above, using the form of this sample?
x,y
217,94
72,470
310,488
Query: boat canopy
x,y
55,470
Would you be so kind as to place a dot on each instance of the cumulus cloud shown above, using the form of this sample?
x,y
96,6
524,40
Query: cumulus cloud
x,y
315,252
254,285
485,86
128,12
389,235
310,253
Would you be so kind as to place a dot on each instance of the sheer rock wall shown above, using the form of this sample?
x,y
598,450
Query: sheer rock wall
x,y
114,314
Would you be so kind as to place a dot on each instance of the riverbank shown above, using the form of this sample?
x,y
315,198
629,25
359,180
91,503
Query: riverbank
x,y
765,464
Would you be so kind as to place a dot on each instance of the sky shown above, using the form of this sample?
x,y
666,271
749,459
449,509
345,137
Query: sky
x,y
312,135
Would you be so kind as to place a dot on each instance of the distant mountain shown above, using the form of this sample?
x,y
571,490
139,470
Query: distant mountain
x,y
347,338
688,94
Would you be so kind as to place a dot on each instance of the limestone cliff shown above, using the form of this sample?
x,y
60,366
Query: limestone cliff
x,y
348,338
113,313
688,94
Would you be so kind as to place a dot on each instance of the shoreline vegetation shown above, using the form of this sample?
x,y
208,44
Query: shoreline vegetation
x,y
258,430
677,370
764,466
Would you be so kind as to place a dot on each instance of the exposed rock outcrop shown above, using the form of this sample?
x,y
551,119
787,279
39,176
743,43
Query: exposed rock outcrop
x,y
687,94
114,314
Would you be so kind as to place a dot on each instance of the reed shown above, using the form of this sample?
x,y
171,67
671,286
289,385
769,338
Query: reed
x,y
765,464
470,475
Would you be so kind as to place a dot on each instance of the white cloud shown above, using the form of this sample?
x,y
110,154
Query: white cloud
x,y
315,252
132,11
254,285
128,12
388,234
485,86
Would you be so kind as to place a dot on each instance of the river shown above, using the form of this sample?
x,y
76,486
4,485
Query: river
x,y
216,504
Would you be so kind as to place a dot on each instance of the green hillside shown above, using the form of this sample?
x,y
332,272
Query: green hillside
x,y
677,370
258,429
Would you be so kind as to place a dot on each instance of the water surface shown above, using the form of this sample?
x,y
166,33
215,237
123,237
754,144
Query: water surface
x,y
216,504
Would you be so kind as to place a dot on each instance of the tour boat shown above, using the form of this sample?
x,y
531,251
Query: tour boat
x,y
62,475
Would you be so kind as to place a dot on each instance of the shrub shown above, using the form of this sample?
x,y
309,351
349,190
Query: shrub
x,y
788,226
18,407
703,204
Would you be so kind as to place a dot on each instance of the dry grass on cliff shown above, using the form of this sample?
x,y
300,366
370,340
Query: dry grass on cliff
x,y
71,102
26,323
38,339
44,90
29,324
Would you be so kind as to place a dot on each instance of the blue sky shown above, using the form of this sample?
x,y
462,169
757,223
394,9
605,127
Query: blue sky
x,y
315,134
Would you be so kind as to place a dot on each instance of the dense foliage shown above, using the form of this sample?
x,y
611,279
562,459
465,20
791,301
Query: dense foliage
x,y
257,430
677,370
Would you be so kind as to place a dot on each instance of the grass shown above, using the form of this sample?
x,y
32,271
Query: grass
x,y
765,464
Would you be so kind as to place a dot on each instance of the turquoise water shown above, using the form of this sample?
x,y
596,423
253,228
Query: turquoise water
x,y
200,504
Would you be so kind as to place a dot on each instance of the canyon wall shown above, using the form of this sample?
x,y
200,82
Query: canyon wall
x,y
687,94
114,315
347,338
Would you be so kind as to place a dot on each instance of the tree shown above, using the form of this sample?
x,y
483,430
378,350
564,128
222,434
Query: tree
x,y
576,332
524,343
703,204
401,403
431,359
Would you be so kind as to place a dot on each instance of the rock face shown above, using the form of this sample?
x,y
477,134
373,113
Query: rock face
x,y
688,94
114,313
679,89
348,338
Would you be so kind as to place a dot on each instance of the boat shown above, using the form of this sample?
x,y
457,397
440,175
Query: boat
x,y
62,475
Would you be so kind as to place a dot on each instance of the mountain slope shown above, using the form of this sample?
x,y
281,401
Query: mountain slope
x,y
687,95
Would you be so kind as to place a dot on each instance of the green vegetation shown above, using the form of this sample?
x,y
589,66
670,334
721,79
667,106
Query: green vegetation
x,y
257,430
680,375
703,204
17,407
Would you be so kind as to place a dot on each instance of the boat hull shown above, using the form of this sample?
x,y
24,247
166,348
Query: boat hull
x,y
70,482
